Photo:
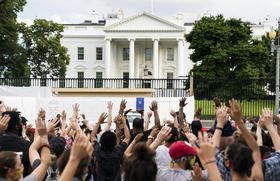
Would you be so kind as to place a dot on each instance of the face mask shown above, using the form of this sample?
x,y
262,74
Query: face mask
x,y
19,173
192,161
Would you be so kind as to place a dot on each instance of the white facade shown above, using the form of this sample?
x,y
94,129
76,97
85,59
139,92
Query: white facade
x,y
128,46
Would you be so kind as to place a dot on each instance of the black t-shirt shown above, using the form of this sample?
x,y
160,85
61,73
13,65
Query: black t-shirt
x,y
108,168
10,142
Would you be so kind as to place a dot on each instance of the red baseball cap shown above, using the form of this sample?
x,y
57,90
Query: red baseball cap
x,y
179,149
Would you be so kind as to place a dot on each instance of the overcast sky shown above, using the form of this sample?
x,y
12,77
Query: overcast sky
x,y
76,11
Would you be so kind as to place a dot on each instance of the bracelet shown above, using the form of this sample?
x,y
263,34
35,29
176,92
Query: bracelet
x,y
219,128
150,137
45,145
211,161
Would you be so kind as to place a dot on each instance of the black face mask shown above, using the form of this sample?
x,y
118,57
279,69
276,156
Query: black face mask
x,y
188,165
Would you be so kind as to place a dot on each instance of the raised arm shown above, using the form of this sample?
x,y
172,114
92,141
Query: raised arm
x,y
206,153
173,114
80,149
162,135
147,122
154,108
126,130
40,142
259,131
109,119
236,115
128,151
268,123
63,123
222,118
122,107
277,122
101,120
182,104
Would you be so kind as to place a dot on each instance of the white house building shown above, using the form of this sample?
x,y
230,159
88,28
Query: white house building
x,y
141,46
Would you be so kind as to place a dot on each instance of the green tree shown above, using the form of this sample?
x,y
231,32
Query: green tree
x,y
13,62
225,49
46,55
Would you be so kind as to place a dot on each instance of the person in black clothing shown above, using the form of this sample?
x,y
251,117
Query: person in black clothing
x,y
108,155
11,140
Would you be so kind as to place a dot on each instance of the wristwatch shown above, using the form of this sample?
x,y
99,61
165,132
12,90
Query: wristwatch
x,y
150,137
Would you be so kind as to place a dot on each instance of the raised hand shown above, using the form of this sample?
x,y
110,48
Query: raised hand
x,y
63,116
41,127
138,137
154,132
42,114
76,110
222,116
235,111
74,124
81,147
127,111
182,102
154,106
52,124
2,106
173,113
207,149
102,118
4,122
110,105
8,108
197,173
267,116
164,133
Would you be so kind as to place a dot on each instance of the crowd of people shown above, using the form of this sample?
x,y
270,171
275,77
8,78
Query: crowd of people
x,y
173,150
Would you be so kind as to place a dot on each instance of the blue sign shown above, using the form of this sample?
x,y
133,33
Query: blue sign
x,y
139,103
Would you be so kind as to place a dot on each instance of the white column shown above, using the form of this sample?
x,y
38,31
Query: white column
x,y
155,59
180,63
107,58
131,58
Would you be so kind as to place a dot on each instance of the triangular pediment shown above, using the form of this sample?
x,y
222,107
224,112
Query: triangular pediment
x,y
143,22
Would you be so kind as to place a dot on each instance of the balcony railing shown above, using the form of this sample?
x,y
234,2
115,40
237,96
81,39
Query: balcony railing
x,y
161,87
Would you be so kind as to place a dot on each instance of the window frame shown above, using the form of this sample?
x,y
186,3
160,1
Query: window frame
x,y
146,55
99,54
125,52
81,55
168,53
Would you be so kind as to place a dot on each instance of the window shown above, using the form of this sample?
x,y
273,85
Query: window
x,y
148,54
170,54
80,79
125,79
99,53
80,53
169,82
125,54
99,81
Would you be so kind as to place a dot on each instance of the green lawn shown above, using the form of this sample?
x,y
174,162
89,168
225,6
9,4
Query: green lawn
x,y
250,108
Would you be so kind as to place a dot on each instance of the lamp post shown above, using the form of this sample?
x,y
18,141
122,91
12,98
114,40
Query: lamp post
x,y
272,35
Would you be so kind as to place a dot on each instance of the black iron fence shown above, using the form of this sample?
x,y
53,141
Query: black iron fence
x,y
161,87
255,94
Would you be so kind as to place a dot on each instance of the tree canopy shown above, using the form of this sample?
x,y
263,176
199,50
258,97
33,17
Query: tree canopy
x,y
46,55
29,50
224,49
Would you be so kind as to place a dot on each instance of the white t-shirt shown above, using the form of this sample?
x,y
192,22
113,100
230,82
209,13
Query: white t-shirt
x,y
169,174
162,156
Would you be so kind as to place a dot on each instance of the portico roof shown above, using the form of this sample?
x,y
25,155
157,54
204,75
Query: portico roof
x,y
144,22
